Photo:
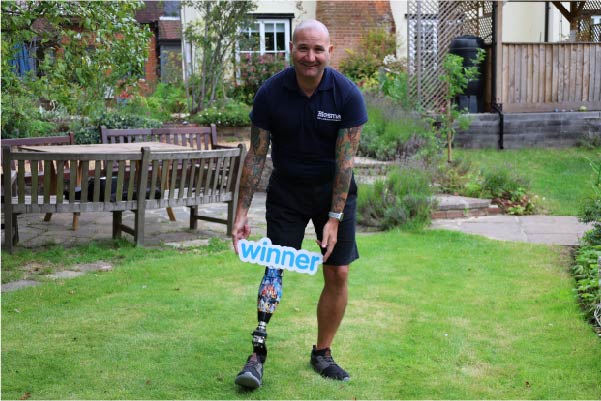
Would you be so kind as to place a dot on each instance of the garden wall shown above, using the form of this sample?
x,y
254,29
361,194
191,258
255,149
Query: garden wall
x,y
523,130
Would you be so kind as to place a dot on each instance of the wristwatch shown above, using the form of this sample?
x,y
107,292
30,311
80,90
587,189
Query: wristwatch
x,y
337,216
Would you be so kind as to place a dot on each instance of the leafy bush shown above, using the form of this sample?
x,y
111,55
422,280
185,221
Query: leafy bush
x,y
403,199
21,118
394,85
225,113
391,133
509,190
87,129
364,63
253,71
591,208
455,177
586,273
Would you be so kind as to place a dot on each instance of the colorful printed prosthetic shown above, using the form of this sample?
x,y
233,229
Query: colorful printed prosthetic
x,y
270,293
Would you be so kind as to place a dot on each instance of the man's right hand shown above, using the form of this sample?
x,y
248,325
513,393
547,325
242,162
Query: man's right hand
x,y
241,230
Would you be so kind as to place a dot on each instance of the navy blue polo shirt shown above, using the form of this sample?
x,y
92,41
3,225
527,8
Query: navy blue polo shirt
x,y
304,130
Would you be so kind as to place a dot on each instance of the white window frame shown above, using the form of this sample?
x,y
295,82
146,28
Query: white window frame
x,y
261,51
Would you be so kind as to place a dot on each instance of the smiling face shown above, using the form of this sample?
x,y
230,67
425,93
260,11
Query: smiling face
x,y
310,50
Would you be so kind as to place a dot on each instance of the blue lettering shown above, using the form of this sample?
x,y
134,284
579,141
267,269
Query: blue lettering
x,y
290,256
302,261
248,251
276,252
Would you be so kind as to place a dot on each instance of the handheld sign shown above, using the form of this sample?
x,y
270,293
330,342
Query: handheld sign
x,y
264,253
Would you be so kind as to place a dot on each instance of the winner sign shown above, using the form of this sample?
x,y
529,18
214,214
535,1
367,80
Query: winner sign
x,y
264,253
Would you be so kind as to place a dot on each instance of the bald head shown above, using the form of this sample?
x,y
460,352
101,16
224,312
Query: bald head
x,y
311,24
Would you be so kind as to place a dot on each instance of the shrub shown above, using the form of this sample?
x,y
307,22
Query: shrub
x,y
509,190
21,118
403,199
225,113
364,63
591,208
87,129
391,133
253,71
586,273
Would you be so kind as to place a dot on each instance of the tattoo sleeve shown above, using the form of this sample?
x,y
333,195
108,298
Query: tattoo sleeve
x,y
253,167
346,148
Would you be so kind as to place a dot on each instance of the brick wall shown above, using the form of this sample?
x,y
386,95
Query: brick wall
x,y
151,67
348,21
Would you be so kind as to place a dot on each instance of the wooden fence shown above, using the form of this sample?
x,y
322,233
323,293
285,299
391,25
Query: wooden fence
x,y
549,76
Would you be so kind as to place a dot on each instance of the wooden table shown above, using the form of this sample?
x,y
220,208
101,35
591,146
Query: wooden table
x,y
110,148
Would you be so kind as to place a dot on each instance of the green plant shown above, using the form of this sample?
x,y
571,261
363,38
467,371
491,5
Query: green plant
x,y
225,113
362,65
509,190
81,50
403,199
392,133
586,273
457,77
253,70
214,33
87,129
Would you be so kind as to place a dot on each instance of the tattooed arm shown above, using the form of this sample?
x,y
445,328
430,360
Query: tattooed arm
x,y
251,175
346,148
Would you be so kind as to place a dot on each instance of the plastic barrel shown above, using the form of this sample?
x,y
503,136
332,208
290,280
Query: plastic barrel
x,y
467,47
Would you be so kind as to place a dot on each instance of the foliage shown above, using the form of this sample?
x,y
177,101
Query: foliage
x,y
164,101
214,33
21,117
392,133
253,70
403,199
591,207
394,85
561,177
363,64
82,50
87,129
457,78
455,177
509,190
586,273
225,113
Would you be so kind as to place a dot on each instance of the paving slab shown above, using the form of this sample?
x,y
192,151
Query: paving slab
x,y
551,230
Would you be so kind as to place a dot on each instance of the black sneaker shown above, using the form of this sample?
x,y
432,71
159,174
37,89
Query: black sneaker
x,y
324,364
251,375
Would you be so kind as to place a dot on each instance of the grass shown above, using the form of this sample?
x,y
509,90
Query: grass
x,y
562,176
431,315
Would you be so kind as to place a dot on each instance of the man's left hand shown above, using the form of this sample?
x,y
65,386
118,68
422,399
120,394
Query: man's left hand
x,y
329,238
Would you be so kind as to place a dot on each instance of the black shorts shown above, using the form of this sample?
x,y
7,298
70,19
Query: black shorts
x,y
291,205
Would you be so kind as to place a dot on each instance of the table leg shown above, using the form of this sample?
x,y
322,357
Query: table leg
x,y
75,223
53,184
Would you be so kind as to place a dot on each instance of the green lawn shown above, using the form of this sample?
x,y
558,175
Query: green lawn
x,y
562,176
431,315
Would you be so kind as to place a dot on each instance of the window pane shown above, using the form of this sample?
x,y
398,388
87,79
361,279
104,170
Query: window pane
x,y
269,37
251,38
280,37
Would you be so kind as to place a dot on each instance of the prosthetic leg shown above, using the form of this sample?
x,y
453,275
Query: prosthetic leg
x,y
270,294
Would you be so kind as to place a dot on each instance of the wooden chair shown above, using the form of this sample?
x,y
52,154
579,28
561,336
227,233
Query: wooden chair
x,y
200,138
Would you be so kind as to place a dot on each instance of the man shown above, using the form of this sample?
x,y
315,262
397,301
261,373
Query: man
x,y
313,116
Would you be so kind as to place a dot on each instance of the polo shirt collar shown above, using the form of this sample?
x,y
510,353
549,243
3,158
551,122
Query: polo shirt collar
x,y
325,84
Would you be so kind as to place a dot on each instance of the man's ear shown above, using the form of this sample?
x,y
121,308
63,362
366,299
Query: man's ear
x,y
291,45
331,49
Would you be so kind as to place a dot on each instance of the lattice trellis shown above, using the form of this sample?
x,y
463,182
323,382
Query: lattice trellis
x,y
431,25
587,30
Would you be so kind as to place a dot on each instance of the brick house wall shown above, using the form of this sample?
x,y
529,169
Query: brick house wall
x,y
348,21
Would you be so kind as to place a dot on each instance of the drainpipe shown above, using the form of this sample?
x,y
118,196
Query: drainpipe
x,y
547,10
495,106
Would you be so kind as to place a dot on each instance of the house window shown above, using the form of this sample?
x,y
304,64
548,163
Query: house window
x,y
266,36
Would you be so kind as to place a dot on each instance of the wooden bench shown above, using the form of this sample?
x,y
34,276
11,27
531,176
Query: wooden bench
x,y
167,179
201,138
14,144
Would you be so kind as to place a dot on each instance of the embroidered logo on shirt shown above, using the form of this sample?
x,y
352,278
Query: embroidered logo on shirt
x,y
322,115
